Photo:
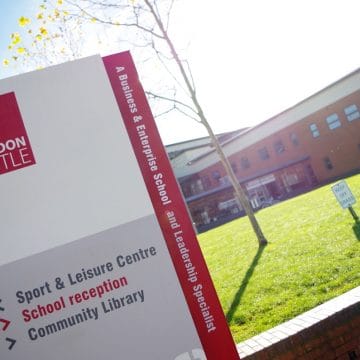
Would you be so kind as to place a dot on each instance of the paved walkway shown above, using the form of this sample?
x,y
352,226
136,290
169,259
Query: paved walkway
x,y
299,323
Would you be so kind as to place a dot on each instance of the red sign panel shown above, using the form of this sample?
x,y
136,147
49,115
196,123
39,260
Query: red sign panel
x,y
15,149
170,209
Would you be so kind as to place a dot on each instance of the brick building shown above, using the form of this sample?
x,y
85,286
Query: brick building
x,y
309,144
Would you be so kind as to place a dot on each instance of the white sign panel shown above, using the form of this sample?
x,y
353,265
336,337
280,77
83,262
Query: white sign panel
x,y
98,256
343,194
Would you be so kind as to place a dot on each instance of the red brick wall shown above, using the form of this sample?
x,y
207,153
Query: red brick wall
x,y
341,145
335,338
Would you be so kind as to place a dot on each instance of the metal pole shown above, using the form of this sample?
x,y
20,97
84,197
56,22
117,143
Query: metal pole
x,y
353,213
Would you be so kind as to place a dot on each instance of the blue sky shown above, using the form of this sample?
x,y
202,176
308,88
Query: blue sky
x,y
10,12
250,59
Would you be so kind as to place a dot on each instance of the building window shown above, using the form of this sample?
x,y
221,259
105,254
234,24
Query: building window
x,y
234,167
333,121
352,112
279,147
314,130
294,139
245,163
185,190
196,187
327,162
263,153
206,182
216,175
224,180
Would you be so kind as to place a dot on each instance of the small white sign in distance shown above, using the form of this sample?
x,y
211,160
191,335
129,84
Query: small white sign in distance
x,y
343,194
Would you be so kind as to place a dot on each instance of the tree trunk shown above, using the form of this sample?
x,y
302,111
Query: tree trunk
x,y
239,192
224,160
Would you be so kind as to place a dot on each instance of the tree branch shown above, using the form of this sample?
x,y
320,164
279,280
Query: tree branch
x,y
188,115
169,13
178,102
90,16
165,112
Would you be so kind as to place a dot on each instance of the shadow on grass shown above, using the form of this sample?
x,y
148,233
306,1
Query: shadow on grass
x,y
356,229
237,298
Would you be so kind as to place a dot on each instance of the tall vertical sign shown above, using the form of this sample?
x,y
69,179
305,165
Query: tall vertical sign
x,y
99,258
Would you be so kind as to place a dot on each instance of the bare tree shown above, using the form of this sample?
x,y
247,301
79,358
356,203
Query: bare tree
x,y
151,18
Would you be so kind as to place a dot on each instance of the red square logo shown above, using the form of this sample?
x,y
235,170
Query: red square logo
x,y
15,149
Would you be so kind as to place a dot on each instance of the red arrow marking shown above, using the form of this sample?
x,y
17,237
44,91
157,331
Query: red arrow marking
x,y
6,322
12,342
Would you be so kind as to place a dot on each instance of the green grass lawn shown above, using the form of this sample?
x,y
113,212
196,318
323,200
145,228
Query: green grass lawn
x,y
313,255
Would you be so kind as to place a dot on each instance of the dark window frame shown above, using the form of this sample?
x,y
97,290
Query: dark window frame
x,y
216,175
279,147
294,139
264,153
245,163
234,167
327,163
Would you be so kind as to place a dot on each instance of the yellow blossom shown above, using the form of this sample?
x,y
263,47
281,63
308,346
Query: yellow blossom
x,y
93,20
38,37
23,21
60,2
15,38
43,31
40,16
20,50
5,62
10,47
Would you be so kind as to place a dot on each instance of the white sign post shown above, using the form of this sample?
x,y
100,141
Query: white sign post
x,y
345,197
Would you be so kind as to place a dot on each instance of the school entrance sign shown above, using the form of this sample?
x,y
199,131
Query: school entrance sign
x,y
99,258
345,197
343,194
